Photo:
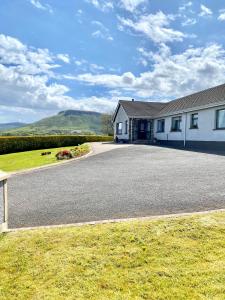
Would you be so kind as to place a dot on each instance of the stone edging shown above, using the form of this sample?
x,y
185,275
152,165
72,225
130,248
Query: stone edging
x,y
52,165
109,221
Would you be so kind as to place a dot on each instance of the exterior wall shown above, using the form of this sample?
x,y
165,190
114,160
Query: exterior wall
x,y
121,117
205,132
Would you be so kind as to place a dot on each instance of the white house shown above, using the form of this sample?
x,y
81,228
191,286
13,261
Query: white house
x,y
194,121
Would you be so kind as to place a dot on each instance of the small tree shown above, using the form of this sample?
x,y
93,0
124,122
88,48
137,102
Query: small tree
x,y
106,124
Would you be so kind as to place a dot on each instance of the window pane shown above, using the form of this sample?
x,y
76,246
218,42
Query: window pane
x,y
221,118
119,128
176,124
194,121
161,125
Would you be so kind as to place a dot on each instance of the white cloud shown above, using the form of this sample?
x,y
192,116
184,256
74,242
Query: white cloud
x,y
205,11
27,83
81,62
25,74
102,35
103,5
39,5
25,60
102,32
189,21
80,16
221,15
85,66
185,6
64,57
155,27
131,5
171,75
96,67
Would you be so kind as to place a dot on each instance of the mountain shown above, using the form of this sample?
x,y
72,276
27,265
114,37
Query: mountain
x,y
6,126
65,122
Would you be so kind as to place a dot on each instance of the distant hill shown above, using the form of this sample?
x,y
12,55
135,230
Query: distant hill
x,y
6,126
65,122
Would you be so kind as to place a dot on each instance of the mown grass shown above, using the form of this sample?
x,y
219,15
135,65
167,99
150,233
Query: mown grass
x,y
180,258
31,159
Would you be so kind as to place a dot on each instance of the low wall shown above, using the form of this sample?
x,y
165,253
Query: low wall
x,y
3,202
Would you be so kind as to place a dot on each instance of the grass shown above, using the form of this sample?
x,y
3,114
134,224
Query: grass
x,y
180,258
31,159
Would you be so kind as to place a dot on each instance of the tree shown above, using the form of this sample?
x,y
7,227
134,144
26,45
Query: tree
x,y
106,124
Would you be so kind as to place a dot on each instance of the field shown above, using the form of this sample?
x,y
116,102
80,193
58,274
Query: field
x,y
179,258
31,159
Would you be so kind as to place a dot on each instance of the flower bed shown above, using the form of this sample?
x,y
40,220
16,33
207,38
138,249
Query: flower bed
x,y
74,152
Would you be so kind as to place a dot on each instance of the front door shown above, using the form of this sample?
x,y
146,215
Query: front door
x,y
142,129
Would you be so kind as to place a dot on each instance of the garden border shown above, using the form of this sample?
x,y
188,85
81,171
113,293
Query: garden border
x,y
56,164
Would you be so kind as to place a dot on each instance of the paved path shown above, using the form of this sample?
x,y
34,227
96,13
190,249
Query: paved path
x,y
127,181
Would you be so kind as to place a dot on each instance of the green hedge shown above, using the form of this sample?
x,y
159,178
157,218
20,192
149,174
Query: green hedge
x,y
12,144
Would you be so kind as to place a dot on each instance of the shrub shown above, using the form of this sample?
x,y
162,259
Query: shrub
x,y
80,150
12,144
64,154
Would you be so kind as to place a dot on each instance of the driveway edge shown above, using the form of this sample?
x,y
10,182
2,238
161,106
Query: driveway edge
x,y
109,221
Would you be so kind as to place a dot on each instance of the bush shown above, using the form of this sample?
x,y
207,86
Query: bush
x,y
64,154
12,144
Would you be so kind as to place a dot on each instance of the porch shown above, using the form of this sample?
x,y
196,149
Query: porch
x,y
141,130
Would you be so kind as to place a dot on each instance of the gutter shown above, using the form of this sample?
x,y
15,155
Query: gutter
x,y
185,130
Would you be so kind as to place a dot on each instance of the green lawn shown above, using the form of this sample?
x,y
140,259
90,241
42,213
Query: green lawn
x,y
180,258
31,159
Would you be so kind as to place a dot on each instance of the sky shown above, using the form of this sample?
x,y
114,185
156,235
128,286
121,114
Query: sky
x,y
88,54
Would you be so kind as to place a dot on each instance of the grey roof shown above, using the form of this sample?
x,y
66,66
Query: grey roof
x,y
141,109
204,98
154,109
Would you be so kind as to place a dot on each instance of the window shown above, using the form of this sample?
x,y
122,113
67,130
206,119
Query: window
x,y
176,124
220,119
194,121
161,125
126,127
119,128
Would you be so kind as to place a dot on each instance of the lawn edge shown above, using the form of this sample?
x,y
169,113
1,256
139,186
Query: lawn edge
x,y
122,220
55,164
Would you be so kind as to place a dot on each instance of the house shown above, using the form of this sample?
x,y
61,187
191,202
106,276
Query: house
x,y
195,121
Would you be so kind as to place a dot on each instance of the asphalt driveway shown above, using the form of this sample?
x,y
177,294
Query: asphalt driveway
x,y
133,181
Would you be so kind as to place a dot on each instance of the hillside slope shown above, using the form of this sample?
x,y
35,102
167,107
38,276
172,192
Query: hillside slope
x,y
65,122
6,126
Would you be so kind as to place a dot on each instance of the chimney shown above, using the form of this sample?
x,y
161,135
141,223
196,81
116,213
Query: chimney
x,y
132,100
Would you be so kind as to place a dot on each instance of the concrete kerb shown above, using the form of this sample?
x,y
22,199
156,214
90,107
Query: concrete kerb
x,y
110,221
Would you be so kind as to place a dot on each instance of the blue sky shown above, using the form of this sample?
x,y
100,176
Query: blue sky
x,y
73,54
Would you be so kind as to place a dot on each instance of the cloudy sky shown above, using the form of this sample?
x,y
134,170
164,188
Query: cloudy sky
x,y
87,54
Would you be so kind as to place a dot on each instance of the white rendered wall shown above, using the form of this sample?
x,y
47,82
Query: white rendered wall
x,y
122,117
205,132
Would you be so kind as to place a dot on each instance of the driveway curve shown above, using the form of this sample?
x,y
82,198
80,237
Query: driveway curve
x,y
127,181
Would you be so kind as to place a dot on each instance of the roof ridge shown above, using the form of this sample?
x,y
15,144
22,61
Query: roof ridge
x,y
137,101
